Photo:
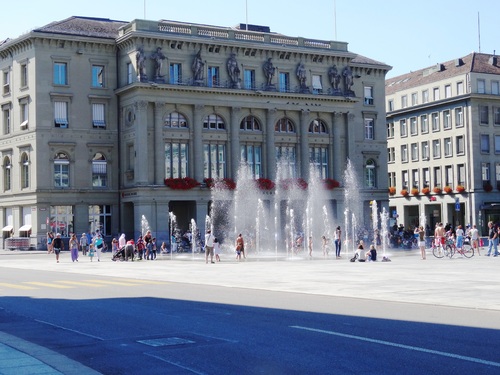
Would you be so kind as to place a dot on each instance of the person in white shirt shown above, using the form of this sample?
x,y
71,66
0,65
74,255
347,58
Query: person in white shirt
x,y
474,237
209,246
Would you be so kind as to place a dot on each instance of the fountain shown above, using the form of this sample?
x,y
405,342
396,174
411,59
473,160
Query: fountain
x,y
144,225
173,232
384,223
352,203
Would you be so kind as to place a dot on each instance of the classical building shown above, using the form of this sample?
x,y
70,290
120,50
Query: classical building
x,y
443,131
98,116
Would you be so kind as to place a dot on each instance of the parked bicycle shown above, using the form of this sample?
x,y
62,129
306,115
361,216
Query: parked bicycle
x,y
449,249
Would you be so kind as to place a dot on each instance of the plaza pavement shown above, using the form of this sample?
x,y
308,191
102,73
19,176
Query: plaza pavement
x,y
459,282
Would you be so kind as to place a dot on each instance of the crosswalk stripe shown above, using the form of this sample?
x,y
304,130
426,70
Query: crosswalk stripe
x,y
17,286
111,282
149,282
81,283
49,285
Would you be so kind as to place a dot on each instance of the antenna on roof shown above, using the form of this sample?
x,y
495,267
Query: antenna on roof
x,y
246,15
144,9
334,19
479,31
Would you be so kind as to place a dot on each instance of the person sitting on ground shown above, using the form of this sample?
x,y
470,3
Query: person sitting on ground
x,y
371,255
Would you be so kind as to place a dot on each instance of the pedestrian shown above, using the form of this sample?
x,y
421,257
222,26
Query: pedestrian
x,y
98,245
492,239
324,245
50,239
122,241
114,247
439,237
84,244
149,250
209,246
91,251
163,248
217,249
57,246
73,247
460,237
338,242
240,246
474,238
310,246
421,241
140,247
153,248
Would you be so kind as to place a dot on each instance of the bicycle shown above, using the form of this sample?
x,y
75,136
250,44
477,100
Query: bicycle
x,y
442,250
467,250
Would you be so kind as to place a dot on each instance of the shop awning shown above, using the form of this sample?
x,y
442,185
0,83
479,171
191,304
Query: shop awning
x,y
25,228
7,228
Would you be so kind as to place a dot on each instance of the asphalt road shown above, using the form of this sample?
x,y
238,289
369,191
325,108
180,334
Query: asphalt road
x,y
187,317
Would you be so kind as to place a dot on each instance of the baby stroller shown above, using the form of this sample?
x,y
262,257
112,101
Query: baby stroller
x,y
120,255
124,253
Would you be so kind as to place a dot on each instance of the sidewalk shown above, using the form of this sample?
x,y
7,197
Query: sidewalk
x,y
458,282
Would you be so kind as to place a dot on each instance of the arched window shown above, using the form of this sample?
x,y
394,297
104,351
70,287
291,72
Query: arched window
x,y
175,120
250,123
25,171
61,170
318,127
284,125
214,122
7,166
99,171
370,173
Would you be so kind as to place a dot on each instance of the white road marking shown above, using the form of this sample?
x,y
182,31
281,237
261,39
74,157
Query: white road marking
x,y
69,329
402,346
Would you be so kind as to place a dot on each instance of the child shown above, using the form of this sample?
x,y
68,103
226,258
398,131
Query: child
x,y
91,252
153,248
217,249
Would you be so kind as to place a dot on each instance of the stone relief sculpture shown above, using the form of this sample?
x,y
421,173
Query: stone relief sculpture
x,y
302,76
334,77
197,68
269,71
348,81
140,60
233,71
158,58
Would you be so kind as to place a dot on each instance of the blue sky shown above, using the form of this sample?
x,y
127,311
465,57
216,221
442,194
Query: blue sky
x,y
408,35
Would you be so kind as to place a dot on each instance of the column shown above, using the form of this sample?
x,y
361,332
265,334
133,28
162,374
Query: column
x,y
141,143
270,145
304,145
234,130
197,142
159,146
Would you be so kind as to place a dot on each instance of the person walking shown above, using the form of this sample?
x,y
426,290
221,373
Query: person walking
x,y
492,239
140,247
122,241
338,242
209,246
50,239
84,244
98,245
240,246
421,241
153,248
57,245
474,238
217,249
73,247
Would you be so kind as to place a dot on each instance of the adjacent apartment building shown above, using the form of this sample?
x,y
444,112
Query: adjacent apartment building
x,y
443,143
97,114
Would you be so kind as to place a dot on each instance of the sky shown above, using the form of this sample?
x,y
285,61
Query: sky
x,y
407,35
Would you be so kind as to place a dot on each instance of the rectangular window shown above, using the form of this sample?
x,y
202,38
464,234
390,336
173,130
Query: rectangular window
x,y
497,144
213,76
404,101
61,173
497,174
496,115
447,91
100,219
390,105
24,75
252,156
448,174
481,86
319,159
99,173
460,145
60,73
459,117
495,90
249,79
214,160
435,122
413,126
404,153
485,143
485,172
435,93
61,114
175,76
424,124
436,149
176,160
130,73
284,82
98,115
461,174
24,113
368,95
61,220
316,84
369,128
483,115
427,177
425,150
460,88
415,178
6,82
97,76
437,177
391,155
287,156
392,178
404,179
403,129
425,96
390,130
414,98
448,149
6,119
414,151
446,119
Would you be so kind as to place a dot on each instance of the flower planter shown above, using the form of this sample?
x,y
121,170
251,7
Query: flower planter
x,y
437,190
460,189
185,183
330,183
404,193
426,190
265,184
447,189
415,191
392,190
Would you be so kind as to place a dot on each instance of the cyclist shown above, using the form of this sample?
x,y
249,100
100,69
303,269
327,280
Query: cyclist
x,y
439,236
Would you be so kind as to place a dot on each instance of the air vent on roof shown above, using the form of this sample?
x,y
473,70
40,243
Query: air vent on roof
x,y
459,62
433,69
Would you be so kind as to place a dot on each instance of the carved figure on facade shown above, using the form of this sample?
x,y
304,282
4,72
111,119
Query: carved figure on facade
x,y
234,71
269,71
334,77
302,76
158,58
348,81
140,60
197,67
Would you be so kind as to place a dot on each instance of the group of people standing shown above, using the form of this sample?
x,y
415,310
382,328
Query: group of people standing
x,y
91,245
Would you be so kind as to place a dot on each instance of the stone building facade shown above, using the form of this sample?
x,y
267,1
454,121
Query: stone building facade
x,y
97,114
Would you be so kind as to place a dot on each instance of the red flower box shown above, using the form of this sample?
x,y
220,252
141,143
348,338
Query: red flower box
x,y
415,191
460,189
426,190
330,183
404,193
185,183
224,183
447,189
265,184
288,183
437,190
392,190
